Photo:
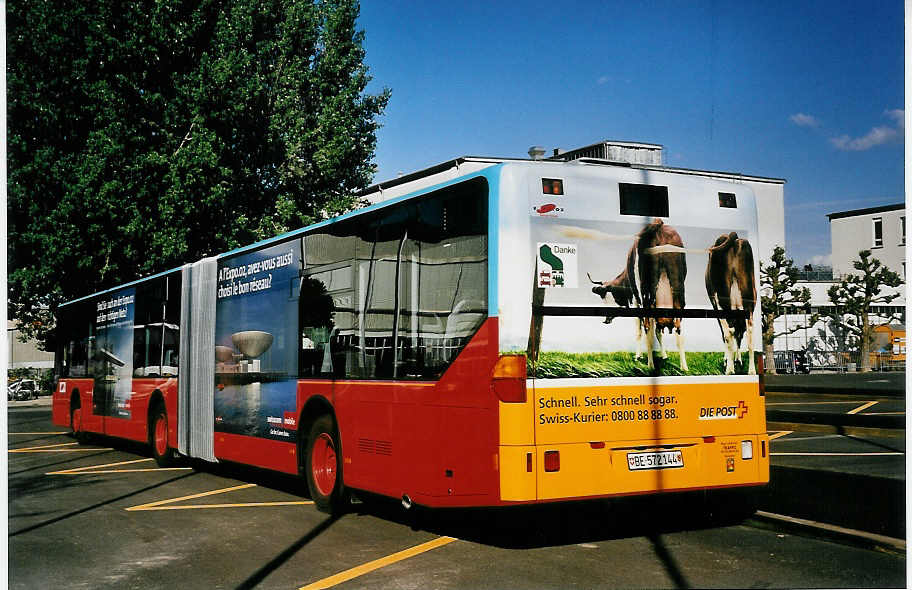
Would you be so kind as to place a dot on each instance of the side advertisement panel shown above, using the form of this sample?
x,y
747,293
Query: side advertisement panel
x,y
256,327
112,353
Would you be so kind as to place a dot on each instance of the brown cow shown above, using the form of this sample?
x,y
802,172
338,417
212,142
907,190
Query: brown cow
x,y
624,293
662,275
730,285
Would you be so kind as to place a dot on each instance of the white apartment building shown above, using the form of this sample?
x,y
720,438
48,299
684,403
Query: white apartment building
x,y
881,230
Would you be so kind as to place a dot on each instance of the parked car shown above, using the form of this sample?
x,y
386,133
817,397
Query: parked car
x,y
22,390
791,361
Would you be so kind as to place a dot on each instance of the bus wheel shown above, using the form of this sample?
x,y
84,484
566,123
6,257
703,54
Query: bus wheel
x,y
323,467
158,437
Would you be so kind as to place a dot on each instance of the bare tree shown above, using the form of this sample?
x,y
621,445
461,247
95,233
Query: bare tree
x,y
781,295
854,296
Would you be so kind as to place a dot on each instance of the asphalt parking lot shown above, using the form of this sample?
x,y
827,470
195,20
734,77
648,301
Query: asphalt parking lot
x,y
103,516
879,456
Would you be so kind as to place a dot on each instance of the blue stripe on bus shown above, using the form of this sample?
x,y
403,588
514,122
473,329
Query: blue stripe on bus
x,y
493,176
124,286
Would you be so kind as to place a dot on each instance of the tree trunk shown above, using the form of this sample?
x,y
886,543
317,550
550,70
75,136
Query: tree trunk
x,y
769,360
865,345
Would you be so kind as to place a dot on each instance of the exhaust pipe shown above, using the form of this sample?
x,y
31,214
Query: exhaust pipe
x,y
406,502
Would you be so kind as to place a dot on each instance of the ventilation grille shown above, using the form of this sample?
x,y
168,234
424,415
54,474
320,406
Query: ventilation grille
x,y
375,447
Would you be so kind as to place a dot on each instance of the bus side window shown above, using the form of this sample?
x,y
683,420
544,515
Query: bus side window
x,y
316,313
149,329
170,358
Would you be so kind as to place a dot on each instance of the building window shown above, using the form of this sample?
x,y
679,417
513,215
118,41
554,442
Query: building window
x,y
902,230
878,232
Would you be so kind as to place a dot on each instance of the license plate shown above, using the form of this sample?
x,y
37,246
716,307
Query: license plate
x,y
655,460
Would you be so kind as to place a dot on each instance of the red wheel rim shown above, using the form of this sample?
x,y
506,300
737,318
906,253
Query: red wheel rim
x,y
77,420
323,463
161,435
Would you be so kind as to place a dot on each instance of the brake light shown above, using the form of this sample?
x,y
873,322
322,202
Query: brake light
x,y
552,461
552,186
509,378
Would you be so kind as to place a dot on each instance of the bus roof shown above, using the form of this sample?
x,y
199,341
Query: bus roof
x,y
300,231
478,166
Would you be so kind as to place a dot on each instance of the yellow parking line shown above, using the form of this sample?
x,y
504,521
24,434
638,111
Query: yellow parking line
x,y
190,497
69,444
808,403
75,469
377,564
160,505
240,505
11,433
864,406
80,450
780,434
95,469
120,471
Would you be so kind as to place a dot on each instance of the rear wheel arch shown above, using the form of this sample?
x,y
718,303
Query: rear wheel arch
x,y
156,399
76,417
74,399
314,408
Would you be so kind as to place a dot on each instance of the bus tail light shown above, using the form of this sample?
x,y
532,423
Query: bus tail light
x,y
747,450
552,186
552,461
509,379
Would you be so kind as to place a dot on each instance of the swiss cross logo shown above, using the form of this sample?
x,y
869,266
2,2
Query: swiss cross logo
x,y
742,409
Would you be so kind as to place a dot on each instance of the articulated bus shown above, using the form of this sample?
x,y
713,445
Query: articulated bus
x,y
492,339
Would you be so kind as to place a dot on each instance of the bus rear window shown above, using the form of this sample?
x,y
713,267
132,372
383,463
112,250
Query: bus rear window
x,y
728,200
643,199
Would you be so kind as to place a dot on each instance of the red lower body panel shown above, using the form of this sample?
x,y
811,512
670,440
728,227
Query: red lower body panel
x,y
259,452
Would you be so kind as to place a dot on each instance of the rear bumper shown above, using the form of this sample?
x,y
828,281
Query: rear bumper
x,y
586,471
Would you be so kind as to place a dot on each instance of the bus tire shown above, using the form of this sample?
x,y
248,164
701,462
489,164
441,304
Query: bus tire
x,y
158,436
728,507
323,466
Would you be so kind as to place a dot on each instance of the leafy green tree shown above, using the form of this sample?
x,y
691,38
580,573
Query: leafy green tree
x,y
853,298
780,295
147,134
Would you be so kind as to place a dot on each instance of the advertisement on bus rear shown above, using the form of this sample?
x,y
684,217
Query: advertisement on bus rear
x,y
635,295
256,360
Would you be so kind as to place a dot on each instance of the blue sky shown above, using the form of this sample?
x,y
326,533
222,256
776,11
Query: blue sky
x,y
807,91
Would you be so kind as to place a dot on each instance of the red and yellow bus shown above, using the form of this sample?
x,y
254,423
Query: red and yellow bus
x,y
450,346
